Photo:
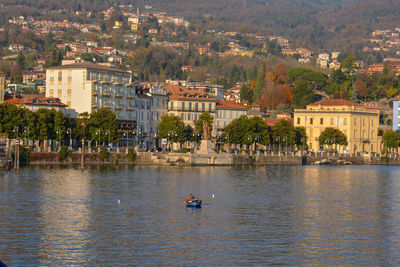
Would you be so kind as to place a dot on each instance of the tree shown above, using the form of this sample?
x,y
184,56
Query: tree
x,y
103,126
260,84
60,126
301,137
283,133
21,60
171,127
332,136
391,139
274,94
208,118
349,65
279,73
82,126
246,131
189,133
302,94
45,120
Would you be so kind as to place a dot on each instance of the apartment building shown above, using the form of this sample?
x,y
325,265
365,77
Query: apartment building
x,y
86,87
396,114
159,106
189,104
358,122
225,113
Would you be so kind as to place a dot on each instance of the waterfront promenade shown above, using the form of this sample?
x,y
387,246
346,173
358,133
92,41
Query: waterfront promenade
x,y
207,159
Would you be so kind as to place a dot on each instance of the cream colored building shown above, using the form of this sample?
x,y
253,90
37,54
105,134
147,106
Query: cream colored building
x,y
358,122
86,87
189,104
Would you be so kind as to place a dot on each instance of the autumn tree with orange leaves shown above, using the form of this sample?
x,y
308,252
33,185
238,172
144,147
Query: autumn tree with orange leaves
x,y
274,91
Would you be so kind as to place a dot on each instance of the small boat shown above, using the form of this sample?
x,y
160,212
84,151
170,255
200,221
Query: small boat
x,y
195,203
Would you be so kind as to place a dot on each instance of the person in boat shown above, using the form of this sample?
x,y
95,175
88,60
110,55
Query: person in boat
x,y
190,197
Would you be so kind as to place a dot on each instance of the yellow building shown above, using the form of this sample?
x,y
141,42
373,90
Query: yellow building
x,y
358,122
2,86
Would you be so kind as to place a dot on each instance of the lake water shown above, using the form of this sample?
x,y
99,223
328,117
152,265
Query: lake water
x,y
286,215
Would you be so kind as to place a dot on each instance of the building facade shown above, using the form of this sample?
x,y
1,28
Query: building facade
x,y
358,122
36,103
86,87
159,106
396,115
225,113
189,104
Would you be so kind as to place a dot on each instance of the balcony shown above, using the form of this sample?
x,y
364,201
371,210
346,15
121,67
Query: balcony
x,y
130,109
118,96
105,94
94,93
130,97
117,108
105,82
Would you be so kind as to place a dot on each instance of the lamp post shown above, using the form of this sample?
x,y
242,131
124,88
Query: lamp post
x,y
98,137
27,131
70,140
279,144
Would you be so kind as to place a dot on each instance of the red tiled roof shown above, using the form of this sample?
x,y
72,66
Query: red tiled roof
x,y
228,105
181,92
44,101
272,122
334,102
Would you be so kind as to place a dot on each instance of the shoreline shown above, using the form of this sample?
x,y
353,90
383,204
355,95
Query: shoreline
x,y
224,159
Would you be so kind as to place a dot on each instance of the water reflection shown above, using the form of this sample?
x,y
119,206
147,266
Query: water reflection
x,y
260,215
64,217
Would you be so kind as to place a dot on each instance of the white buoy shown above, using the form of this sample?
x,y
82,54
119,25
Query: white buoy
x,y
119,201
213,195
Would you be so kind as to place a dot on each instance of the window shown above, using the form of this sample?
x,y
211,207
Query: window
x,y
189,117
363,122
183,105
355,121
172,105
345,121
60,76
196,108
332,121
209,107
203,107
51,79
298,120
69,92
311,121
182,116
190,106
321,121
59,91
69,103
69,79
372,122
